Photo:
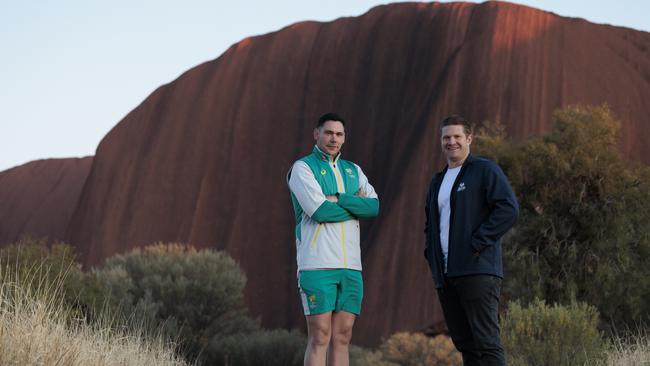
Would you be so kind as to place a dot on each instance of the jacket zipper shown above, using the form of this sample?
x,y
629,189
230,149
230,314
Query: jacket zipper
x,y
340,188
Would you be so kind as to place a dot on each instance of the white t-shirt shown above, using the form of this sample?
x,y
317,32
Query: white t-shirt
x,y
444,209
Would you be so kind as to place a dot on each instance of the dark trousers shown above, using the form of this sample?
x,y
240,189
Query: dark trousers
x,y
471,308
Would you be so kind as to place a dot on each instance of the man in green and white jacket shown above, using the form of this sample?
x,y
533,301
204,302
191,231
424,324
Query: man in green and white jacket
x,y
329,195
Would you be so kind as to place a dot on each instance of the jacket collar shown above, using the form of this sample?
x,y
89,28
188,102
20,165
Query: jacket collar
x,y
470,158
324,156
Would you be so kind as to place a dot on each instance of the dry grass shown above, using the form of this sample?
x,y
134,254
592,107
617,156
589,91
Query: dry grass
x,y
634,352
36,329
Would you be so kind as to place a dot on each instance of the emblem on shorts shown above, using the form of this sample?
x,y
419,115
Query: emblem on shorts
x,y
312,301
323,172
461,187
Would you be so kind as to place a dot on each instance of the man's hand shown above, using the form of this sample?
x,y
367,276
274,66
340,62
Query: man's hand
x,y
332,199
361,193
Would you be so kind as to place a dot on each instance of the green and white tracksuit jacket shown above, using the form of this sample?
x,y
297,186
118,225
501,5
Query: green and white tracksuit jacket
x,y
327,233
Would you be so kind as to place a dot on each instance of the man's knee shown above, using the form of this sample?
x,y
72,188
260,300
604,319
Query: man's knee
x,y
319,336
488,344
464,344
342,336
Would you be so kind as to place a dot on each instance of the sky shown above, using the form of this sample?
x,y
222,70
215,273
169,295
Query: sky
x,y
71,70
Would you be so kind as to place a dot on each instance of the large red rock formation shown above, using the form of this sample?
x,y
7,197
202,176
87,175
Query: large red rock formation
x,y
38,198
203,159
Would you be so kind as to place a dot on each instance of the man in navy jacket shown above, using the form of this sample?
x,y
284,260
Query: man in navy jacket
x,y
470,206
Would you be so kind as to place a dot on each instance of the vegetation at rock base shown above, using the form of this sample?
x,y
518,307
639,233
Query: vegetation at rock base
x,y
542,334
584,230
194,296
40,321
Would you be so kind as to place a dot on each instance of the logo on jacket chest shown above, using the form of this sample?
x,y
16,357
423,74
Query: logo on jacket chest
x,y
461,187
349,172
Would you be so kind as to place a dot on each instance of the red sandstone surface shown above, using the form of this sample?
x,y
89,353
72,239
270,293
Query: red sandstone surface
x,y
39,197
203,159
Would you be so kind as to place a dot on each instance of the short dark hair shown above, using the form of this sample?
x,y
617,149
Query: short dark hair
x,y
329,117
455,120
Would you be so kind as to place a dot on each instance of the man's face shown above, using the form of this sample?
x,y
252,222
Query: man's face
x,y
330,137
455,143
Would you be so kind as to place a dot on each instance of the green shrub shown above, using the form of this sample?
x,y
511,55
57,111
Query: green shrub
x,y
194,296
267,347
545,335
415,349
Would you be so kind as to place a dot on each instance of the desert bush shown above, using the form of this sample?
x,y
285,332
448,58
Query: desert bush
x,y
416,349
552,335
277,347
584,227
195,296
360,356
37,326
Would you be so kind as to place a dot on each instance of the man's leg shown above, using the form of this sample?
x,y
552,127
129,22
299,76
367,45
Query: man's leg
x,y
318,295
348,306
319,330
480,300
342,323
457,323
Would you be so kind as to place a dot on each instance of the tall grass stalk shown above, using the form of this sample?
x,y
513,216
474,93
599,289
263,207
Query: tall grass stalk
x,y
38,328
634,351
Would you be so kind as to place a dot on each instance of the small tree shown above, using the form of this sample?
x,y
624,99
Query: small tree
x,y
584,228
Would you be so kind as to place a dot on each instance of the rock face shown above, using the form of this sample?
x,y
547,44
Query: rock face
x,y
38,198
203,159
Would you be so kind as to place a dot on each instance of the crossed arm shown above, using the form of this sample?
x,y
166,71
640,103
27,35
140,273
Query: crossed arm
x,y
335,208
358,204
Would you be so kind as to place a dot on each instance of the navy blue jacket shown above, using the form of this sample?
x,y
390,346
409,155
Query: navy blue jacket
x,y
483,208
